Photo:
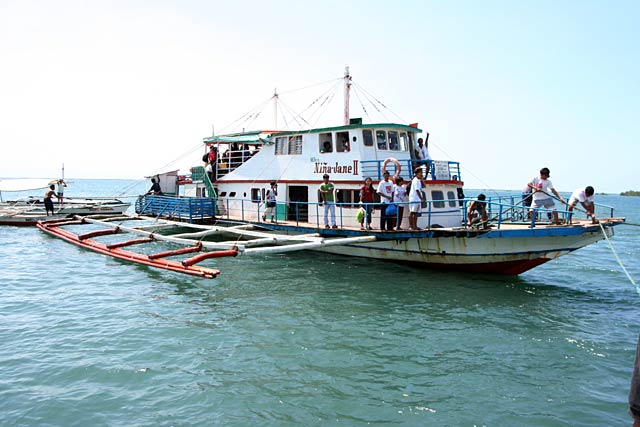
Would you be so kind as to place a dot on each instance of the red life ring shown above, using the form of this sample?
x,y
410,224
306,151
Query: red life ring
x,y
395,162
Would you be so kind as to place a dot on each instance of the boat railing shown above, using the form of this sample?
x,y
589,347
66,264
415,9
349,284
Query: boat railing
x,y
191,209
432,170
512,209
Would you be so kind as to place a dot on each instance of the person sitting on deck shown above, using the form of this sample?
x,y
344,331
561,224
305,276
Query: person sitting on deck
x,y
477,211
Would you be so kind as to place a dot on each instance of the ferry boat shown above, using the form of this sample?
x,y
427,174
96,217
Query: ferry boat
x,y
225,209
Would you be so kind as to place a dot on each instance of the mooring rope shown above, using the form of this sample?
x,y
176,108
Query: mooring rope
x,y
619,260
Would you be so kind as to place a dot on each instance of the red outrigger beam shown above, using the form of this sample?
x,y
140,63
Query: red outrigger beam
x,y
155,260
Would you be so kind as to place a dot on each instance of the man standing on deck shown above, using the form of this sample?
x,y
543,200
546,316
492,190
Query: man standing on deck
x,y
61,184
327,191
48,203
416,197
541,186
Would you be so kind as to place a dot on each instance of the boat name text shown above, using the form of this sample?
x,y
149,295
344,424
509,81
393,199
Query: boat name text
x,y
324,167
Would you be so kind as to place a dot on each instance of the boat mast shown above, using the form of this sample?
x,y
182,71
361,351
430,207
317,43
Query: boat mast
x,y
347,87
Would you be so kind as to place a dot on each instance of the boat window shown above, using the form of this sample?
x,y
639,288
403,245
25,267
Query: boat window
x,y
438,198
367,137
223,194
452,199
256,196
326,142
232,194
393,140
381,139
281,144
295,144
342,142
404,141
298,149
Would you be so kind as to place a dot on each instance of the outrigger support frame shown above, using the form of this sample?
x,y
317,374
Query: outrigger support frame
x,y
186,267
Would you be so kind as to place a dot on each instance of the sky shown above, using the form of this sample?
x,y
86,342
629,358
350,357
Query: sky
x,y
122,89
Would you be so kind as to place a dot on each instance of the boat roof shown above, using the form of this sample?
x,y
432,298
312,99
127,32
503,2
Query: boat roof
x,y
260,136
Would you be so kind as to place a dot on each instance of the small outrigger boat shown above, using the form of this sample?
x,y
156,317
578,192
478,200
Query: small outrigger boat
x,y
221,213
27,211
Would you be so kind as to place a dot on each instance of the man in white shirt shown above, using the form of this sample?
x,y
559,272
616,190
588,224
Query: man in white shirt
x,y
541,186
585,197
416,197
385,191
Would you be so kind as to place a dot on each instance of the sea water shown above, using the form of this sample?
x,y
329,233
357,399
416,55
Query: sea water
x,y
304,339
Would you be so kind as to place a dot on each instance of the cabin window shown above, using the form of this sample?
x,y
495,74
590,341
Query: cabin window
x,y
367,137
393,141
295,144
289,145
452,199
223,194
298,145
381,139
438,198
342,142
404,141
281,145
256,195
232,194
326,142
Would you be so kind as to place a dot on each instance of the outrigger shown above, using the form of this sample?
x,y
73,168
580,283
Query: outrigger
x,y
221,211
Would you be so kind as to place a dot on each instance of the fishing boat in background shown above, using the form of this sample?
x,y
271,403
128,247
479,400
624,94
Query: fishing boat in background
x,y
27,211
222,211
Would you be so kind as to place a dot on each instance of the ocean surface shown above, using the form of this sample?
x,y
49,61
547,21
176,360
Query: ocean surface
x,y
307,339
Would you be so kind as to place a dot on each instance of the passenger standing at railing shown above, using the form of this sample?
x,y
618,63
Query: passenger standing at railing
x,y
155,188
399,198
327,191
416,198
423,153
213,162
385,191
272,195
367,193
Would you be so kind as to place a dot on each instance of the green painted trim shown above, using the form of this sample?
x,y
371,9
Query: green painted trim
x,y
232,137
350,127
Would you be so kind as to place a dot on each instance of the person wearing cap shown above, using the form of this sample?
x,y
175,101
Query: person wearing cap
x,y
542,186
585,197
327,192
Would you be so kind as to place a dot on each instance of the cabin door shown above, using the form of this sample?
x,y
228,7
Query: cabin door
x,y
298,199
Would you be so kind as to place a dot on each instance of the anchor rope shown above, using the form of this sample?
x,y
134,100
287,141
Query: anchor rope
x,y
619,260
